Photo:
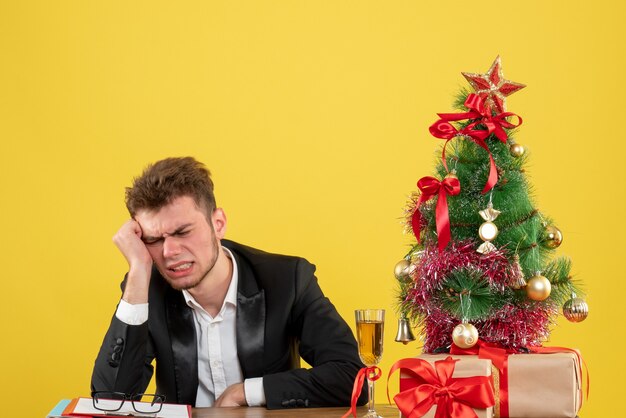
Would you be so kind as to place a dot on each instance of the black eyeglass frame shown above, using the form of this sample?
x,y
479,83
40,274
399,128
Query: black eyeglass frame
x,y
132,397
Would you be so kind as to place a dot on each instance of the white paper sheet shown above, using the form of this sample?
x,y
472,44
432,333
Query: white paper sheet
x,y
85,406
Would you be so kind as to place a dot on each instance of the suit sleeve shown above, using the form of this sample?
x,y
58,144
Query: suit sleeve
x,y
124,362
326,343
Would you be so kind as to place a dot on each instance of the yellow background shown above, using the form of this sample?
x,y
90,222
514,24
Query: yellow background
x,y
313,117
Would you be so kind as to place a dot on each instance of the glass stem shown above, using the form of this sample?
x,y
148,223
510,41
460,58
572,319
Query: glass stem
x,y
370,396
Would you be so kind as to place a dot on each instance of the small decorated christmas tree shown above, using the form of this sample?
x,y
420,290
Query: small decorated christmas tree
x,y
483,265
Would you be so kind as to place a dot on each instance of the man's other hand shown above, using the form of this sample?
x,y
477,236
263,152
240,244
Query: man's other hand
x,y
234,395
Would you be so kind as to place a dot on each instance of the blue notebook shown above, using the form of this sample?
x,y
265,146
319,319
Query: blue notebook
x,y
58,410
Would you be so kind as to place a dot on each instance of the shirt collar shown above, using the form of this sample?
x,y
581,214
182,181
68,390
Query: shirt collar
x,y
231,294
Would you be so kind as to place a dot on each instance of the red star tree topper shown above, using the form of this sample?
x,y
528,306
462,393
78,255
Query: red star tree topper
x,y
493,87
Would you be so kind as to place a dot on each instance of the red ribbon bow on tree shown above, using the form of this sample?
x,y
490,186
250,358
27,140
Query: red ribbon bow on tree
x,y
445,130
482,114
430,187
495,124
454,397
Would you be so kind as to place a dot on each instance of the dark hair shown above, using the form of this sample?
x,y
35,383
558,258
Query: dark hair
x,y
162,182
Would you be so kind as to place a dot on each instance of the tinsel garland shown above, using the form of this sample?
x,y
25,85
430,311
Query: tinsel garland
x,y
515,324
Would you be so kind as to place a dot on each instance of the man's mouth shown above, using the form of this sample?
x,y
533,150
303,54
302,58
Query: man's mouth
x,y
180,267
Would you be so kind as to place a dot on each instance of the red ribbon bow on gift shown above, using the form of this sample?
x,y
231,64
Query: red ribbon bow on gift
x,y
482,114
454,397
500,358
372,373
430,187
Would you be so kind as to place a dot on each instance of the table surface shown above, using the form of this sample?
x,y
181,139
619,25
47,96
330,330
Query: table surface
x,y
386,411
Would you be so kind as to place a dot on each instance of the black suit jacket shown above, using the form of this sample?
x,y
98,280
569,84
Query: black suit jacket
x,y
282,314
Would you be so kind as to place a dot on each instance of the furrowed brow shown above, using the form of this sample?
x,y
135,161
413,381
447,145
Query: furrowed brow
x,y
180,229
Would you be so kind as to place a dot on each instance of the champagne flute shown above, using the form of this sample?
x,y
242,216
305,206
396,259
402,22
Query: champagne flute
x,y
369,330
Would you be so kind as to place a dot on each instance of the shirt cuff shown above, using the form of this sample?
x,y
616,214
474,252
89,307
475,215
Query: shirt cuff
x,y
253,390
132,314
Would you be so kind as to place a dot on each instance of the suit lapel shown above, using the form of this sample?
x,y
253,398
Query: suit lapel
x,y
250,320
184,346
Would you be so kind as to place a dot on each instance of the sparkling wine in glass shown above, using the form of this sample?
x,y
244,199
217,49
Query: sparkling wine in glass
x,y
370,326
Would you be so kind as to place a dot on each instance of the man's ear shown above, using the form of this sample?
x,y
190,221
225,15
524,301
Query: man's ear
x,y
218,218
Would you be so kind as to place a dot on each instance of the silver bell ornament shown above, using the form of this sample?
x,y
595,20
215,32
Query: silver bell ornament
x,y
405,333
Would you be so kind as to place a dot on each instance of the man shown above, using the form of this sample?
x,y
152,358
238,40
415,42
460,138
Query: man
x,y
226,323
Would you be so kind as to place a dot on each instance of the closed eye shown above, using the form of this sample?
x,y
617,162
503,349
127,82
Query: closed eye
x,y
152,241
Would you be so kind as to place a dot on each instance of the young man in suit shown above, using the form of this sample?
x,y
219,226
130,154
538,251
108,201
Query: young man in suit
x,y
226,323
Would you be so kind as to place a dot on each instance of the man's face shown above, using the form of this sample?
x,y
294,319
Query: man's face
x,y
184,245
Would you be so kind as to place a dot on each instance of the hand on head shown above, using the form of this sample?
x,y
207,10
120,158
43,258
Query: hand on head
x,y
128,241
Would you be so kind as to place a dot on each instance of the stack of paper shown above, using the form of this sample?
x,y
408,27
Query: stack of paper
x,y
83,407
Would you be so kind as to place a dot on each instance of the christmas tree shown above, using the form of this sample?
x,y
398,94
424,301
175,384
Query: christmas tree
x,y
483,265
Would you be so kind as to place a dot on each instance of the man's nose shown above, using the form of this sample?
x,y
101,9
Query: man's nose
x,y
171,247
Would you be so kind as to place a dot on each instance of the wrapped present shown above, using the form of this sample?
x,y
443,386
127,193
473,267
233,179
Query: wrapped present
x,y
445,386
545,383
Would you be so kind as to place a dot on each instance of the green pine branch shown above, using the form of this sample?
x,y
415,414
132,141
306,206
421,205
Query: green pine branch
x,y
466,295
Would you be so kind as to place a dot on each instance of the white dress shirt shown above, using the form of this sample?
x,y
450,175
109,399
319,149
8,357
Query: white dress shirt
x,y
218,364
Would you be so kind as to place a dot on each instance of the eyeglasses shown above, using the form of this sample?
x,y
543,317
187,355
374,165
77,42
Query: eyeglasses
x,y
114,401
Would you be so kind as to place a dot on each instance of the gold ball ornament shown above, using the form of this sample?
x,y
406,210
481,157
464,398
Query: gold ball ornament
x,y
575,309
416,257
552,236
516,150
451,175
403,269
538,287
465,335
